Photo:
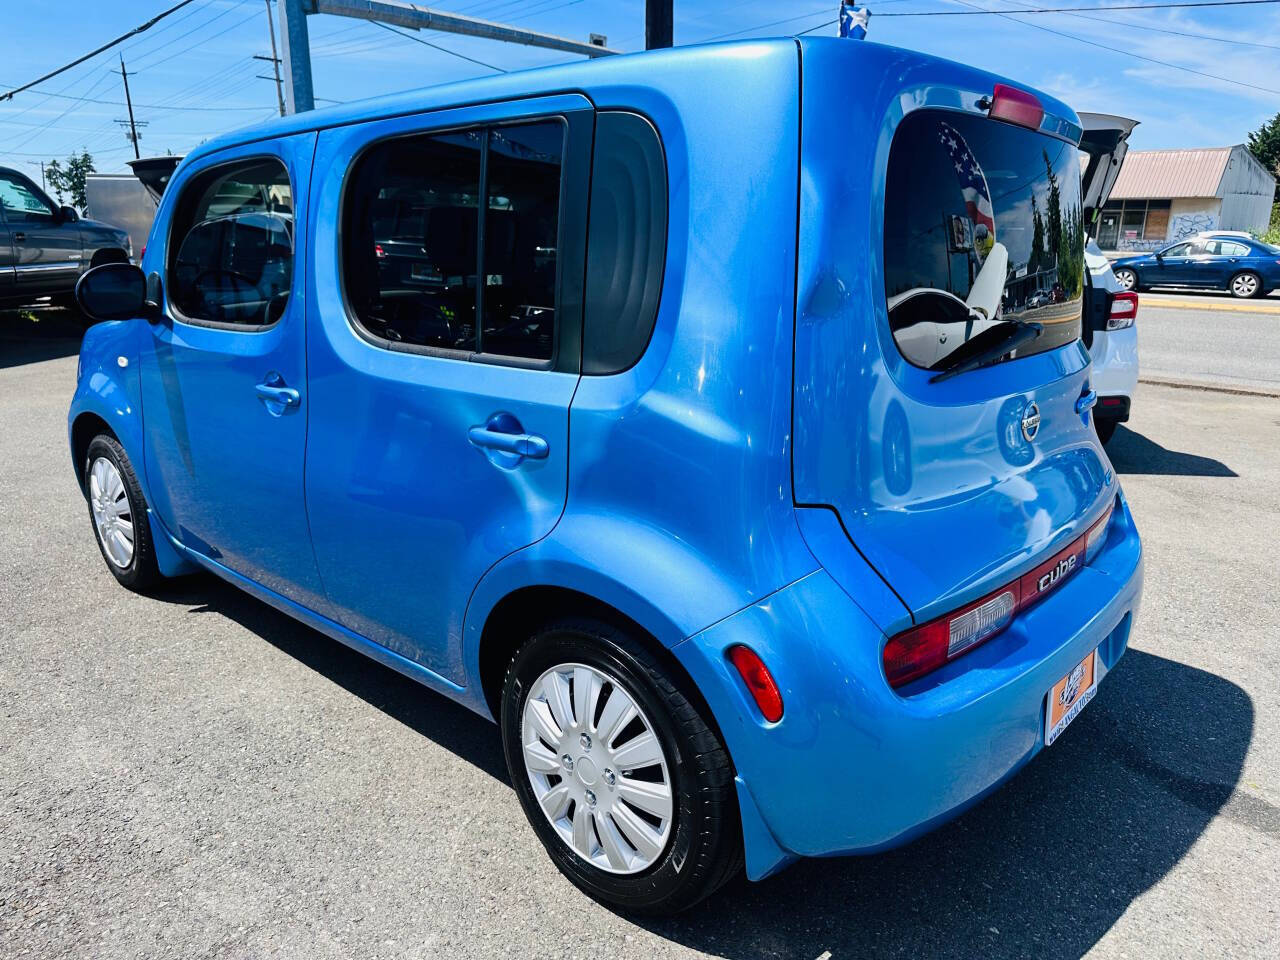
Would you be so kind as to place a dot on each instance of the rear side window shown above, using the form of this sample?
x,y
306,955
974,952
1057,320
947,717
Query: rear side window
x,y
982,226
451,240
1226,248
231,246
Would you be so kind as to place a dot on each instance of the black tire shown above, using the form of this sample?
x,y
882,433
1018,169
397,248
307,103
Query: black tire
x,y
704,846
1128,271
1246,275
142,572
1106,429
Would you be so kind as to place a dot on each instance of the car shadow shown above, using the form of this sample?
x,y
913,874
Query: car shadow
x,y
1044,866
436,717
1132,453
38,334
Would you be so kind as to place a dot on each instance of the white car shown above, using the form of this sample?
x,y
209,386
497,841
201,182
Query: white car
x,y
1110,331
1111,334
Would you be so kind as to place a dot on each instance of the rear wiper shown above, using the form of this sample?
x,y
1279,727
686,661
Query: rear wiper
x,y
988,347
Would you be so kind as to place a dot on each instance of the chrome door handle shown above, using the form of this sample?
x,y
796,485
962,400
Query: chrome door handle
x,y
286,395
520,444
276,395
1086,401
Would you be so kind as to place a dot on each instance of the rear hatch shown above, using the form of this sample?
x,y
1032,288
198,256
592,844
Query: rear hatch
x,y
942,390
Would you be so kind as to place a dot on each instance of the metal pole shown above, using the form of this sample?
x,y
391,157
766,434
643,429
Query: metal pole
x,y
295,51
40,164
659,30
133,129
275,58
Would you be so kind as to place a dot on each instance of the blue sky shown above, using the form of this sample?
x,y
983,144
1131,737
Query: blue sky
x,y
195,76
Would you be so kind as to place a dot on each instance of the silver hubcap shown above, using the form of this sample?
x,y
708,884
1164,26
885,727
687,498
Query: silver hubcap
x,y
1244,285
1126,279
112,516
597,768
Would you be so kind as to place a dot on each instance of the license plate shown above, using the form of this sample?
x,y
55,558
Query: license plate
x,y
1069,696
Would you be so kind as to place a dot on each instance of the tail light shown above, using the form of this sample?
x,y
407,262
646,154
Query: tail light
x,y
759,681
378,251
1016,106
1124,310
921,650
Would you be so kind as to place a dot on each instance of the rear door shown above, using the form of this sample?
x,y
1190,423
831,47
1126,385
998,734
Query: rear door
x,y
950,479
1105,141
6,258
444,349
1219,261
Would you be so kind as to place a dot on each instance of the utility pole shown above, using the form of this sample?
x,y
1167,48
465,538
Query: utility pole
x,y
659,30
295,50
40,164
133,127
275,59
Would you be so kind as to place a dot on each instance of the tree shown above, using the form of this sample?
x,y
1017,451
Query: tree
x,y
67,181
1264,143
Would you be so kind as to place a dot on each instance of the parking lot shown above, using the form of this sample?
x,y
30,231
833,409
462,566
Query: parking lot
x,y
196,775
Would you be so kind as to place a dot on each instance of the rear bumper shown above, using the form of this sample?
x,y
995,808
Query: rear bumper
x,y
1115,365
852,766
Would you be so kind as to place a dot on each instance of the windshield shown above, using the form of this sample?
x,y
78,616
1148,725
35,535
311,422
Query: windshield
x,y
982,226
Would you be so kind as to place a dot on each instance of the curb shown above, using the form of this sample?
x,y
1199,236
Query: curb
x,y
1210,387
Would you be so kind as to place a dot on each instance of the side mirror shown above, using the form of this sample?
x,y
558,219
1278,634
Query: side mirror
x,y
113,291
1160,257
69,214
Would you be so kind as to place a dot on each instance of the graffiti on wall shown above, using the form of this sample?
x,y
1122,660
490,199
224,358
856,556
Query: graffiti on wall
x,y
1181,227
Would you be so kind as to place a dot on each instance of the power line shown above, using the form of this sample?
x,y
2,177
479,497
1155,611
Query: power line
x,y
1147,28
436,46
1128,53
106,46
979,12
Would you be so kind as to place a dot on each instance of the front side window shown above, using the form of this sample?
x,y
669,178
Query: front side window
x,y
415,269
982,228
1178,250
231,248
21,203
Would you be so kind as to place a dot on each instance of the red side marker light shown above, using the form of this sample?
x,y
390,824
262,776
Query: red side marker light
x,y
759,681
1016,106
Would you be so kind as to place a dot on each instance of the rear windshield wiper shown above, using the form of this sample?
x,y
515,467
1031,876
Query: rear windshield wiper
x,y
988,347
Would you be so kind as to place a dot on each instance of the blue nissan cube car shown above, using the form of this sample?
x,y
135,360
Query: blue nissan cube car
x,y
716,420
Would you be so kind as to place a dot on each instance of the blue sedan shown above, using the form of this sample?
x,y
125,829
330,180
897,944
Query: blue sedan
x,y
1220,261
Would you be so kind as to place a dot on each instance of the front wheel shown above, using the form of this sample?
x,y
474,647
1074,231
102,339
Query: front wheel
x,y
624,781
1127,279
1245,285
119,514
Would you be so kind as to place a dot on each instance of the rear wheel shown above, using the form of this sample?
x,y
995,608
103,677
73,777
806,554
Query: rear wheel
x,y
1245,284
624,781
118,512
1127,279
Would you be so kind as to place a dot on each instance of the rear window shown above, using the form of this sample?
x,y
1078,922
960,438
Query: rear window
x,y
982,226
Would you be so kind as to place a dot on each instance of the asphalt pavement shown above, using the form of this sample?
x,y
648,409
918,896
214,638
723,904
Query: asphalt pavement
x,y
1211,339
196,775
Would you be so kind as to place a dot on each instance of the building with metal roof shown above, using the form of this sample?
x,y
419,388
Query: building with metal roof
x,y
1165,195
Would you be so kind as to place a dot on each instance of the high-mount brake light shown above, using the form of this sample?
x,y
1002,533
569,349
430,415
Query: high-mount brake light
x,y
1016,106
921,650
760,683
1124,310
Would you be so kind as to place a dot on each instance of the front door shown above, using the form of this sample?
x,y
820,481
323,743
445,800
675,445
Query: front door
x,y
46,244
1173,265
444,332
224,376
